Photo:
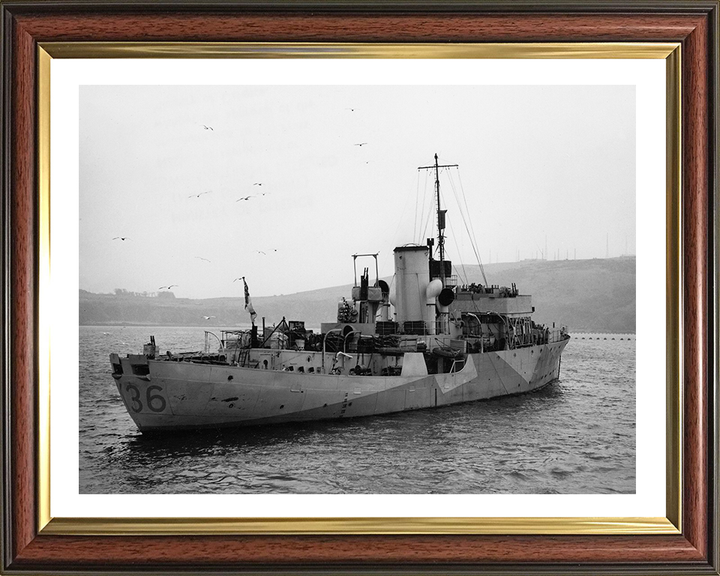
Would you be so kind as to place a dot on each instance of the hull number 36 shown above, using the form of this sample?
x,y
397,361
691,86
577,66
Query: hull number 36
x,y
154,402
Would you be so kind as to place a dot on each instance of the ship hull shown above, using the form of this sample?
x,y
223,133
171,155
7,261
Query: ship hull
x,y
165,396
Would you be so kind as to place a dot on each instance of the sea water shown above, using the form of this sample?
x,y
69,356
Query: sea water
x,y
575,436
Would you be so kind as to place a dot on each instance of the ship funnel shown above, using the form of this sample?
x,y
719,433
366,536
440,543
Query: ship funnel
x,y
412,279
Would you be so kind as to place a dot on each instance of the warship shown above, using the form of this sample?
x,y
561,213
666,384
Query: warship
x,y
428,342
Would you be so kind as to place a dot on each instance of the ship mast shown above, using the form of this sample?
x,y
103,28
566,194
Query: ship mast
x,y
440,212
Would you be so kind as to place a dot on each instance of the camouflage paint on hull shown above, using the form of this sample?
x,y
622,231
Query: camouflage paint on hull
x,y
178,395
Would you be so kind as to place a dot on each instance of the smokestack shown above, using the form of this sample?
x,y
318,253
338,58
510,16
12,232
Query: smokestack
x,y
412,276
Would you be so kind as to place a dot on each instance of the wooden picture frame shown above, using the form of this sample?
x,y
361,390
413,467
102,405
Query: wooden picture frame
x,y
31,543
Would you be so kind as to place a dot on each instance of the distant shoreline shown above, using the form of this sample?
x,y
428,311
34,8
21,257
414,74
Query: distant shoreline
x,y
586,296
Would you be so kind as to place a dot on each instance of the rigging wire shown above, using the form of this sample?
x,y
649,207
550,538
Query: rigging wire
x,y
417,202
464,273
457,248
427,222
472,228
418,239
463,212
401,221
426,217
473,242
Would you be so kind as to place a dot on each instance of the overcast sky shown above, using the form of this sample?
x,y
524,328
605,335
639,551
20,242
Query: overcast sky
x,y
555,162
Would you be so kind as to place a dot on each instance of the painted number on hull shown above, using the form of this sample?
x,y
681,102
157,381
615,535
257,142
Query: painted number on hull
x,y
155,402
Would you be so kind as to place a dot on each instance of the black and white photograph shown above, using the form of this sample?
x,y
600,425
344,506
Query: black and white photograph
x,y
357,289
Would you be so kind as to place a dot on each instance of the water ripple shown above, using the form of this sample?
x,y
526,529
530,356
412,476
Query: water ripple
x,y
576,436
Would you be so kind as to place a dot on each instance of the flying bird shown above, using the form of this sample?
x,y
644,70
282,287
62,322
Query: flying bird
x,y
123,238
198,195
351,109
208,127
240,278
361,144
243,198
261,252
167,287
208,317
257,184
201,258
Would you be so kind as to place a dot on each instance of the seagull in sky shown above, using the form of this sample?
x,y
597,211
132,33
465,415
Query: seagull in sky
x,y
208,127
201,258
361,144
208,317
167,287
123,238
243,198
257,184
261,252
351,109
198,195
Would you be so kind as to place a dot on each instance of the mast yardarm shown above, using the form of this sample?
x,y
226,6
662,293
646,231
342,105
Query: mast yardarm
x,y
440,212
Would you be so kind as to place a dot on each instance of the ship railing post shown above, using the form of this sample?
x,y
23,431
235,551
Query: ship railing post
x,y
352,331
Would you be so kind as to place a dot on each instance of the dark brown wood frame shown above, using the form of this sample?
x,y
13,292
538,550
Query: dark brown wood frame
x,y
694,24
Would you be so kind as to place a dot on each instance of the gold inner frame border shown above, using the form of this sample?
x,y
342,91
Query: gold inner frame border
x,y
671,524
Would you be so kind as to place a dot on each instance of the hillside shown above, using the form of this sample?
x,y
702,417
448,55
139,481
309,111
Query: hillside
x,y
585,295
